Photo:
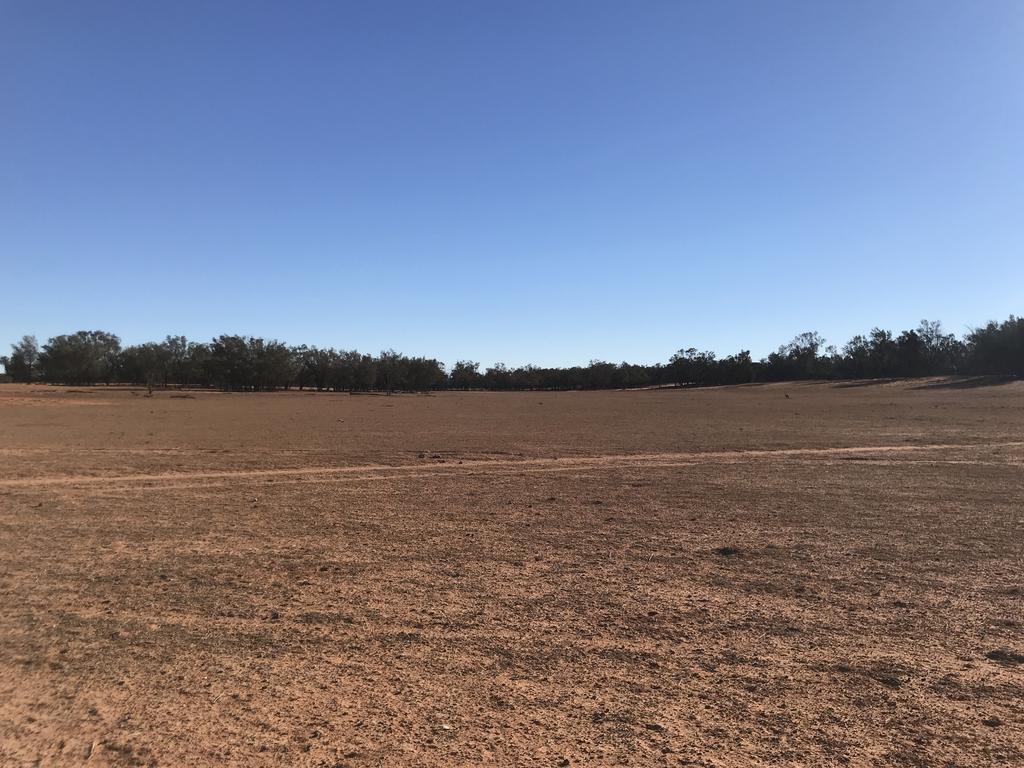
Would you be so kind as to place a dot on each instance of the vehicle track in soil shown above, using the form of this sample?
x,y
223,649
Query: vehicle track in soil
x,y
500,466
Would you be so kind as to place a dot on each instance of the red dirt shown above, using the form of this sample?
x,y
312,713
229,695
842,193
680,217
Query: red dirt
x,y
719,577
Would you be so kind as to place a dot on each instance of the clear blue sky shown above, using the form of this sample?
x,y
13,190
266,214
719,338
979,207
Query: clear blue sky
x,y
510,181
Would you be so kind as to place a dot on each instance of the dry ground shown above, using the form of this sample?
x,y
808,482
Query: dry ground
x,y
723,577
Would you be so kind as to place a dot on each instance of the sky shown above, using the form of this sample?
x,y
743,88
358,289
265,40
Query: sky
x,y
513,181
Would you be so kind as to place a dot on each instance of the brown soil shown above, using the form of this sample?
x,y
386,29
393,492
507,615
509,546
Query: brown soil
x,y
723,577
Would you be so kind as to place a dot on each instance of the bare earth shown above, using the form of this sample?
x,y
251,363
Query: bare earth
x,y
722,577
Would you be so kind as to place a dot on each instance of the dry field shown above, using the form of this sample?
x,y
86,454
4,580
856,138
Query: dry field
x,y
722,577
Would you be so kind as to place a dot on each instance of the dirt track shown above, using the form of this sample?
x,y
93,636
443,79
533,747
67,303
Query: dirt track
x,y
723,578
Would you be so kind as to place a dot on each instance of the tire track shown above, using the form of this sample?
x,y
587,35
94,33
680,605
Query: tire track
x,y
367,472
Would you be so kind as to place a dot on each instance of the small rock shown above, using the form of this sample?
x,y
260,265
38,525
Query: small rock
x,y
992,722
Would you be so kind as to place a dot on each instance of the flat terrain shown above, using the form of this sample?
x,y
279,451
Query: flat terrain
x,y
721,577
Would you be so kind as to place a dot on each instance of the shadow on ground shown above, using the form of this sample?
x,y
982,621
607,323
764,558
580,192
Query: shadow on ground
x,y
863,383
969,382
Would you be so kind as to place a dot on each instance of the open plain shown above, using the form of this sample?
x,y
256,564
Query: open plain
x,y
789,574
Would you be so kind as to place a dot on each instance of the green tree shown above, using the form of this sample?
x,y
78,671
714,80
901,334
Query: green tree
x,y
465,375
85,357
23,362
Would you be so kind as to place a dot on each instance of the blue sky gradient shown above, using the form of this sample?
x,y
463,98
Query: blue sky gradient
x,y
510,181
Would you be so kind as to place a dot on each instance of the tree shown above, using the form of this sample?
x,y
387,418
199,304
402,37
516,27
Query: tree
x,y
735,369
315,366
691,366
23,362
997,348
85,357
364,370
391,370
498,376
856,359
176,354
465,375
883,353
800,359
943,353
144,364
423,374
251,363
195,367
911,355
230,364
273,365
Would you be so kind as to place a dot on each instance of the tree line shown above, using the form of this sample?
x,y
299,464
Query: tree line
x,y
246,363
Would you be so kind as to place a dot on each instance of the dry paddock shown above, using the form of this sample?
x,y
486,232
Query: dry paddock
x,y
721,577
